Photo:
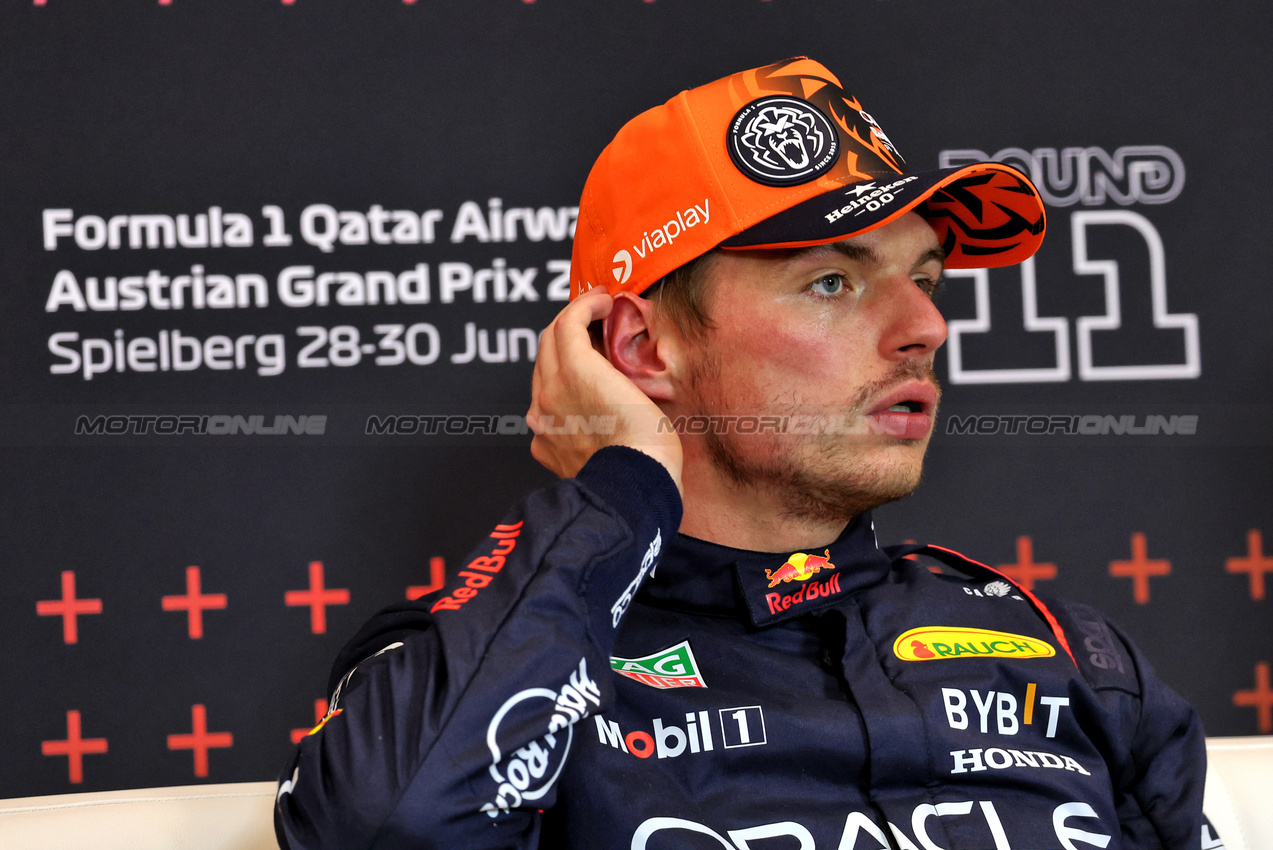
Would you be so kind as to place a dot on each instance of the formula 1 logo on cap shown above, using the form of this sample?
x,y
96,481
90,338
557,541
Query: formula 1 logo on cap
x,y
782,141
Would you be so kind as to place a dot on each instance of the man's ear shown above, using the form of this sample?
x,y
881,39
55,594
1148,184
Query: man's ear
x,y
643,345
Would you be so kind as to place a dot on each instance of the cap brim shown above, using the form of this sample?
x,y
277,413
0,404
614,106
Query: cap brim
x,y
986,215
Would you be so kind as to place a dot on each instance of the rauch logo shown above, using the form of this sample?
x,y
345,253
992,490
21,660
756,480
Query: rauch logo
x,y
930,643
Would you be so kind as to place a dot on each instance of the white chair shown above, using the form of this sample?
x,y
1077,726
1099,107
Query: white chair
x,y
1239,785
236,816
239,816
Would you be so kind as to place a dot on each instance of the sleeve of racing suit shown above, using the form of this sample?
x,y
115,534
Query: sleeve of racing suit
x,y
452,716
1153,739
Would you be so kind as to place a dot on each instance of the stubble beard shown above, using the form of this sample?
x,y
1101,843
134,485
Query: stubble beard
x,y
825,477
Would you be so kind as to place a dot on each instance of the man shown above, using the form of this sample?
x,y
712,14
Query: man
x,y
757,270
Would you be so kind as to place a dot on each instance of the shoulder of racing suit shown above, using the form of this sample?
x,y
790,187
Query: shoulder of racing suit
x,y
1152,739
453,709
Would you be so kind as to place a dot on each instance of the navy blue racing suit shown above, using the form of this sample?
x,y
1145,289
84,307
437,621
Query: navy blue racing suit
x,y
590,679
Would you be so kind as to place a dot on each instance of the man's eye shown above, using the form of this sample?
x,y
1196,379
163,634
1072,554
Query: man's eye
x,y
830,284
932,288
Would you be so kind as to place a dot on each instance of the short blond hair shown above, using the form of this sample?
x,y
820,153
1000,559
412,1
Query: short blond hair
x,y
682,295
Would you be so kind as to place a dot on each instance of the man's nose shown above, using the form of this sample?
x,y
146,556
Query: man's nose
x,y
915,326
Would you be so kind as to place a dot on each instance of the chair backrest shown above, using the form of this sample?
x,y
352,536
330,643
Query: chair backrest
x,y
239,816
236,816
1239,785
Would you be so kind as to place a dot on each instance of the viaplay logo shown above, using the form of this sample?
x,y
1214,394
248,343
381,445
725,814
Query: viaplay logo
x,y
622,266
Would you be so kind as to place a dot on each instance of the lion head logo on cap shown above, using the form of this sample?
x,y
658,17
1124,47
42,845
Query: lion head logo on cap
x,y
782,141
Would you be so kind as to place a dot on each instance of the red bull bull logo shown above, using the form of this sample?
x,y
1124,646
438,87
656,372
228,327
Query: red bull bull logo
x,y
800,567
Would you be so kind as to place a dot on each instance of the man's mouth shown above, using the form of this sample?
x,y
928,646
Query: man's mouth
x,y
792,150
906,412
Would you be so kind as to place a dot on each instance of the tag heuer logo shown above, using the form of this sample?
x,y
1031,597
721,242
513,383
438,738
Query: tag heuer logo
x,y
674,667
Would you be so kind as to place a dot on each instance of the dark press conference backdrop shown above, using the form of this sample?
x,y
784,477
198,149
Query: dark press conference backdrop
x,y
258,257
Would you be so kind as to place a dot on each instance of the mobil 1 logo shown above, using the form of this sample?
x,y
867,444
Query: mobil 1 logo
x,y
701,732
742,727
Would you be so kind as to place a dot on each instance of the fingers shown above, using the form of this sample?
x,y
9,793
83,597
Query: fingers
x,y
574,382
564,340
566,334
572,333
583,311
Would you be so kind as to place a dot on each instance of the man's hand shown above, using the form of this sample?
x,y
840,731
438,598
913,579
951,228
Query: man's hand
x,y
573,379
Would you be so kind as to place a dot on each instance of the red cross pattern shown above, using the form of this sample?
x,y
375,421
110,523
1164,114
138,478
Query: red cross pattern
x,y
318,597
194,602
1256,563
1024,572
1140,568
200,740
74,747
68,608
1260,698
437,577
320,711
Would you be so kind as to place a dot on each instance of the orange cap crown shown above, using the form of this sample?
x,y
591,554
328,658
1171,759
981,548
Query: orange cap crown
x,y
682,178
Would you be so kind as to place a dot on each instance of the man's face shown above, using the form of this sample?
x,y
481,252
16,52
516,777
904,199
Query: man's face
x,y
840,338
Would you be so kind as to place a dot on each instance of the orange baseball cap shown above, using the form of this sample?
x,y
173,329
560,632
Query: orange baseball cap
x,y
778,157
